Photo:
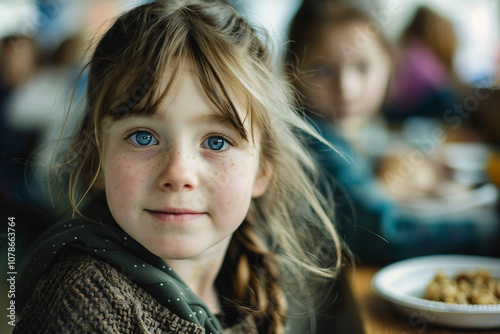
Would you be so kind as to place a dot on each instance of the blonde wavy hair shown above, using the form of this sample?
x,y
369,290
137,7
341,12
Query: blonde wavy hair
x,y
288,232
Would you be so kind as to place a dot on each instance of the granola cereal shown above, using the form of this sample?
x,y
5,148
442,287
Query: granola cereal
x,y
476,287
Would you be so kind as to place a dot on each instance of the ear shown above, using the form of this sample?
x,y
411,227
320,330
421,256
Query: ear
x,y
262,180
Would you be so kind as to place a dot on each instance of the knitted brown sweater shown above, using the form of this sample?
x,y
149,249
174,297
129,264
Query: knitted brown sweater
x,y
85,295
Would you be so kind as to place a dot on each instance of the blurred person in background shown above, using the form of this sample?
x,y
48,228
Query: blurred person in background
x,y
425,82
19,63
39,84
41,105
343,73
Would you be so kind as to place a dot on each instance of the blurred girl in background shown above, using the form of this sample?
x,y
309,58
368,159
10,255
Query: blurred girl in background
x,y
342,67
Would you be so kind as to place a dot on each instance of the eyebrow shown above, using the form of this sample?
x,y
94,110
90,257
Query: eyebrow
x,y
209,118
213,119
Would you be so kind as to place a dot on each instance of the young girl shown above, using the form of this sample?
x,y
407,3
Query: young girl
x,y
342,69
198,207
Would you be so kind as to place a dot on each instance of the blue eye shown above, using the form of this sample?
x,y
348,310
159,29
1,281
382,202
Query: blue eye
x,y
216,143
143,138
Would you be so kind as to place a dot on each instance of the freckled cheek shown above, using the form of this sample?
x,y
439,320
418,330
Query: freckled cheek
x,y
124,180
231,203
232,188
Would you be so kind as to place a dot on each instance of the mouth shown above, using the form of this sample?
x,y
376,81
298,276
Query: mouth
x,y
175,215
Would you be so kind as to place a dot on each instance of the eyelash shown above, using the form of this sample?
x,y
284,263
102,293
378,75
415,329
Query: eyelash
x,y
226,139
135,131
229,141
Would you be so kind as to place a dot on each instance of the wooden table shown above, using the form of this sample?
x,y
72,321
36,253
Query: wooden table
x,y
379,318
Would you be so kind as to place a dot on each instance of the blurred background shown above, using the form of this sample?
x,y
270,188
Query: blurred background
x,y
50,22
44,45
476,25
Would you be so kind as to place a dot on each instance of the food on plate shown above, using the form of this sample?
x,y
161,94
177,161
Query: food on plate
x,y
408,177
475,287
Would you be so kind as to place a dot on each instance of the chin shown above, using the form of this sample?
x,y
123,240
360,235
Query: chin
x,y
177,250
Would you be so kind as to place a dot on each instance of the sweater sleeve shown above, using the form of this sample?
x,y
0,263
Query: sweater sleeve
x,y
84,295
377,229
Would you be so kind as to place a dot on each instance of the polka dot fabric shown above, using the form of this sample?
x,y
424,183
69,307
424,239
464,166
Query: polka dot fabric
x,y
106,242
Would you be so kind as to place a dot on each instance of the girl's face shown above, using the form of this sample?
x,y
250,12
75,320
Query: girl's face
x,y
346,73
180,181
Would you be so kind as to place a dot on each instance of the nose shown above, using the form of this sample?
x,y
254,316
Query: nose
x,y
178,171
349,85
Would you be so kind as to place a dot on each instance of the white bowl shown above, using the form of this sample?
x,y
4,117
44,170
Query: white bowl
x,y
403,284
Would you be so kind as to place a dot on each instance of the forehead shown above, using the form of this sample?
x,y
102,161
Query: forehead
x,y
141,92
176,92
344,42
187,95
180,85
187,87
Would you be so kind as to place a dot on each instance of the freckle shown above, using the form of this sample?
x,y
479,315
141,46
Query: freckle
x,y
232,164
215,173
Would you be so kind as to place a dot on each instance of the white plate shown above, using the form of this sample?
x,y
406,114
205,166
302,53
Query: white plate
x,y
403,284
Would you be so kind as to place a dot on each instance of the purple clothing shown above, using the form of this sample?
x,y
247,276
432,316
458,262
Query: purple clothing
x,y
419,74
